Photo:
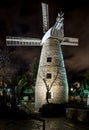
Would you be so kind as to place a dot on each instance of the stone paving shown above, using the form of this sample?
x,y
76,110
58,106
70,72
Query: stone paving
x,y
64,124
50,124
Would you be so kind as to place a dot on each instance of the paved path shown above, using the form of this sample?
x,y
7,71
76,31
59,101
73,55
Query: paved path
x,y
50,124
64,124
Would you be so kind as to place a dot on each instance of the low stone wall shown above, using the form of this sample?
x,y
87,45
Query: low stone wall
x,y
53,110
78,114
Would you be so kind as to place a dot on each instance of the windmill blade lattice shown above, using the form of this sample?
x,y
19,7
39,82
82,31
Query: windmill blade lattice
x,y
45,14
70,41
22,41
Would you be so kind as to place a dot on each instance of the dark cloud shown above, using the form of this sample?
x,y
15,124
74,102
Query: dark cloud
x,y
76,24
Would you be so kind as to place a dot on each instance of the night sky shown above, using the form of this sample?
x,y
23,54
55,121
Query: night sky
x,y
24,18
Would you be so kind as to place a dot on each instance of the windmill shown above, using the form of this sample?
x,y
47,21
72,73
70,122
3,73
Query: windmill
x,y
51,83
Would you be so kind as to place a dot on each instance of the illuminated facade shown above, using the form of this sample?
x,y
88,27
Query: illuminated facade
x,y
52,69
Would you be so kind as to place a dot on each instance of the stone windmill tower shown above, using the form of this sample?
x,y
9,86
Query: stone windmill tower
x,y
51,84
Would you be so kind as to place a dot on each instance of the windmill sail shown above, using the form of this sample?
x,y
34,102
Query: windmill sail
x,y
21,41
45,14
70,41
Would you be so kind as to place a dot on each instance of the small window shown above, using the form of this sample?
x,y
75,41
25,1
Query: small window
x,y
49,59
49,76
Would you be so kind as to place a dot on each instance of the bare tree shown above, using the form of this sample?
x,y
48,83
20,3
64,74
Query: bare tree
x,y
48,87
